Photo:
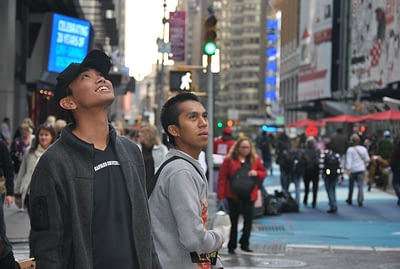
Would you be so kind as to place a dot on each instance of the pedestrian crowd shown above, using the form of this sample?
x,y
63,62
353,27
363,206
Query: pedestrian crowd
x,y
99,196
372,161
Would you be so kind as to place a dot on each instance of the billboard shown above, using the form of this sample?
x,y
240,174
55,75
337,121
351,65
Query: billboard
x,y
69,42
375,46
315,49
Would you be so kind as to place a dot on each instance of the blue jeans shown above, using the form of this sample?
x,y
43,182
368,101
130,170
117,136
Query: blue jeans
x,y
330,186
358,178
286,179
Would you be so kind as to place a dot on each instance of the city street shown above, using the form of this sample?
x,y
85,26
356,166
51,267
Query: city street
x,y
355,237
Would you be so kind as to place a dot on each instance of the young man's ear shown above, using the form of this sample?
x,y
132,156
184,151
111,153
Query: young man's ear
x,y
173,130
67,103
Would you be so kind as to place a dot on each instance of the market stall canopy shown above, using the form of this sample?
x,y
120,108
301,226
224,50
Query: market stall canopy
x,y
343,118
305,123
383,116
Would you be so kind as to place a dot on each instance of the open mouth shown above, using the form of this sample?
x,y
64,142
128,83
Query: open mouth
x,y
102,89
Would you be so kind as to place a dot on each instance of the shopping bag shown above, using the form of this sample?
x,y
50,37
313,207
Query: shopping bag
x,y
222,223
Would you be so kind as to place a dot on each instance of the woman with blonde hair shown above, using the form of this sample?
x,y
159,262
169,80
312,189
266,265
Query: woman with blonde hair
x,y
241,157
357,159
153,150
21,144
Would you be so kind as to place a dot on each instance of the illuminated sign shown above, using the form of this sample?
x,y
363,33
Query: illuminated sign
x,y
69,42
271,54
272,24
180,80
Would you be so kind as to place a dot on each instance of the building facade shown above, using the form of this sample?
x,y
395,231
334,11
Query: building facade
x,y
27,83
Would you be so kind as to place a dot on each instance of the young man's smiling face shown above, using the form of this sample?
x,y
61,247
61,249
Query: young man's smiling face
x,y
192,134
90,89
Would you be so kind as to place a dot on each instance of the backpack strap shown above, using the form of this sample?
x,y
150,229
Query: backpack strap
x,y
150,186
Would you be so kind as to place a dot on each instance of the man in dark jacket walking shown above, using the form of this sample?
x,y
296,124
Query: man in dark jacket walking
x,y
88,192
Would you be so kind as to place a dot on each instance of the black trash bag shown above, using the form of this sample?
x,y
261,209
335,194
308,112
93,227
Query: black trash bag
x,y
271,207
285,202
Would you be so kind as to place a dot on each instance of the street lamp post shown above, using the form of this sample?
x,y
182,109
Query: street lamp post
x,y
210,110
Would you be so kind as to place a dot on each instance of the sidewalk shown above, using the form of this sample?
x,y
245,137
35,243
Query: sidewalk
x,y
356,238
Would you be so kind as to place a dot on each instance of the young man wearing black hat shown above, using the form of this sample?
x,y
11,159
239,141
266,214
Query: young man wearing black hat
x,y
89,205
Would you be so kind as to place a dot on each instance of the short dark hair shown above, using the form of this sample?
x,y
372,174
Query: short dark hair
x,y
170,112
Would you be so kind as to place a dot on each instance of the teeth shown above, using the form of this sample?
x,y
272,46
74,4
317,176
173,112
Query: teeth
x,y
102,89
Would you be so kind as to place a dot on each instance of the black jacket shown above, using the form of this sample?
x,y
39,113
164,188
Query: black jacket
x,y
61,199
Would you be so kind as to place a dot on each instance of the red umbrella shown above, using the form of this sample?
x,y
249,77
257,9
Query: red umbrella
x,y
343,118
384,115
305,123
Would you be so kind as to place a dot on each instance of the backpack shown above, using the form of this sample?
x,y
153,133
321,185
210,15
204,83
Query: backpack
x,y
264,144
331,165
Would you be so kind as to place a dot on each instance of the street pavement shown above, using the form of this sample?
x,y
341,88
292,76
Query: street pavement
x,y
355,237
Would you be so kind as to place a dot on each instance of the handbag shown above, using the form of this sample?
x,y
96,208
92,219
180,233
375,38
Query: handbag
x,y
222,222
243,184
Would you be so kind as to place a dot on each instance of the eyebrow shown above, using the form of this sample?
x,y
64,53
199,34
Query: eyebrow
x,y
195,113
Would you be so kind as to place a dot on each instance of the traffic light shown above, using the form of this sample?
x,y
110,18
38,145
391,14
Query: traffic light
x,y
220,124
362,129
210,35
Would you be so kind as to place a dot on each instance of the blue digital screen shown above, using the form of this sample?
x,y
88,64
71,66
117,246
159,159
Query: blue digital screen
x,y
272,25
272,37
271,52
270,80
271,66
69,42
270,94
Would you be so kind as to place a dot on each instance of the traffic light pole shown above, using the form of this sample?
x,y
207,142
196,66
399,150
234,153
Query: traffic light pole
x,y
160,77
210,110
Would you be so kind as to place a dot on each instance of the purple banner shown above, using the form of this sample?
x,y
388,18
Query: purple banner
x,y
177,35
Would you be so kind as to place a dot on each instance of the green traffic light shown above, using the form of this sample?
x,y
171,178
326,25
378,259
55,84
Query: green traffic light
x,y
219,124
210,48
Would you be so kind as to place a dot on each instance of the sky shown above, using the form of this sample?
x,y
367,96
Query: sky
x,y
143,27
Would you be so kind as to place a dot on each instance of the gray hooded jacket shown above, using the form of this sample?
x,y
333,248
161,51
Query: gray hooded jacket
x,y
178,209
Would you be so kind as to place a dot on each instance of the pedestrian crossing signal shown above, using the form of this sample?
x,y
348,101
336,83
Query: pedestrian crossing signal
x,y
180,80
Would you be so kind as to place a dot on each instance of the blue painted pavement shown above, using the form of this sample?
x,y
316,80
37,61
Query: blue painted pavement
x,y
376,224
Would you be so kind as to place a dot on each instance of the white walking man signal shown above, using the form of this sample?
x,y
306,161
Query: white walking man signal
x,y
185,81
